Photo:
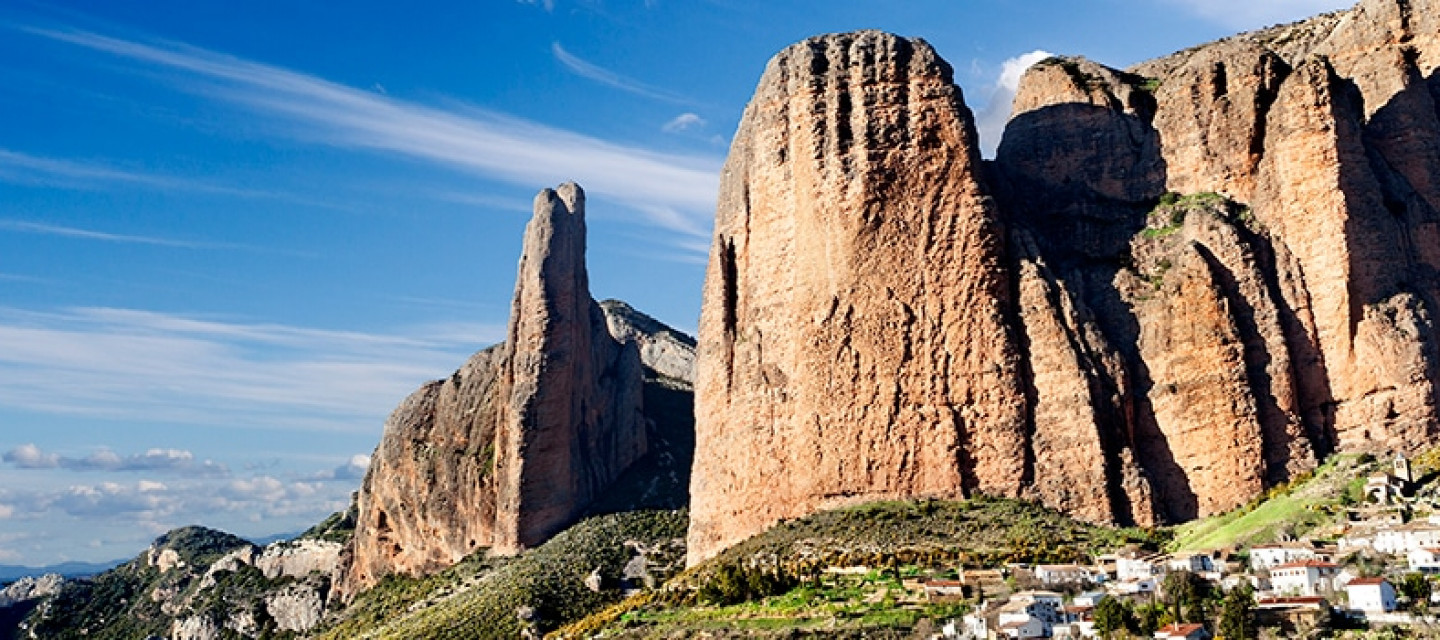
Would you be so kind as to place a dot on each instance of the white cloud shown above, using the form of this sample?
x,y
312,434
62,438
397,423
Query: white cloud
x,y
1253,14
6,511
354,469
683,122
591,71
142,365
548,5
991,119
29,456
474,140
40,228
27,169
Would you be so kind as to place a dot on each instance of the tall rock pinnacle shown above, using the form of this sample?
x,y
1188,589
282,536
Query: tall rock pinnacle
x,y
853,342
571,421
513,446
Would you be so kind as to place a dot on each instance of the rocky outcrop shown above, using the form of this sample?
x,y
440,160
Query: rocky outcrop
x,y
295,607
514,445
665,351
854,327
299,558
30,588
1222,266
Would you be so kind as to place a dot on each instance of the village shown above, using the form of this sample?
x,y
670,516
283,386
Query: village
x,y
1372,571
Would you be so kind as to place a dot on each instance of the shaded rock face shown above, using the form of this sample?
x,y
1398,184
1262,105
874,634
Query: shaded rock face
x,y
1123,356
515,445
854,327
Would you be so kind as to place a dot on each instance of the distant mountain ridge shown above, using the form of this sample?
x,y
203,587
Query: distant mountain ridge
x,y
11,573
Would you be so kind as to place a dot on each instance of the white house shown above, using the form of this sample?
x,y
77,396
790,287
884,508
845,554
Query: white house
x,y
1371,595
1133,587
1424,560
1307,578
1264,556
1063,573
1046,599
1192,562
1088,599
1026,628
1140,568
1406,538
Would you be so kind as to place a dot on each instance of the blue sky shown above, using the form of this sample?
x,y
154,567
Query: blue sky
x,y
234,235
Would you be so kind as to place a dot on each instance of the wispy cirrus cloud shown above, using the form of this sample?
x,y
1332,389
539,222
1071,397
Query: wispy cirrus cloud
x,y
597,73
477,141
40,228
176,461
1248,14
143,365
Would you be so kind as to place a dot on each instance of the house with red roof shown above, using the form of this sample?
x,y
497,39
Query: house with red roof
x,y
1304,578
1182,632
1371,595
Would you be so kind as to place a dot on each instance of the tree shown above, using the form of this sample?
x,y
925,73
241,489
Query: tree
x,y
1416,587
1237,614
1151,617
1184,595
1111,615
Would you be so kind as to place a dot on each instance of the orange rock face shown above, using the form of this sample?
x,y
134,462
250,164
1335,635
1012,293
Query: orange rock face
x,y
513,446
854,342
885,316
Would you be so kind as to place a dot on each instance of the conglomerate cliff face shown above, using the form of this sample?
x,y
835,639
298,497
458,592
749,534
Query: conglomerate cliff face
x,y
513,446
1176,286
853,342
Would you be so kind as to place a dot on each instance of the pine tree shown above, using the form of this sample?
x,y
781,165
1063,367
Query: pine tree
x,y
1237,614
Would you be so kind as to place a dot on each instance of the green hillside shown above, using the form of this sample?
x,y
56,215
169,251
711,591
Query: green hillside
x,y
777,582
486,598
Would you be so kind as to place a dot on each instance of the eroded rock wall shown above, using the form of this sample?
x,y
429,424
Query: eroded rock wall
x,y
1222,266
513,446
854,342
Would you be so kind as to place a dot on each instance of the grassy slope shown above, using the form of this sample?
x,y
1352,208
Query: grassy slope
x,y
1290,510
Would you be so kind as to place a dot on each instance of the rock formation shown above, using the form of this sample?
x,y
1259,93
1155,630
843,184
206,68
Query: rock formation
x,y
854,327
1176,285
513,446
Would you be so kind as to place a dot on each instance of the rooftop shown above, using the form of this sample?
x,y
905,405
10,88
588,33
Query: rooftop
x,y
1361,582
1314,564
1181,630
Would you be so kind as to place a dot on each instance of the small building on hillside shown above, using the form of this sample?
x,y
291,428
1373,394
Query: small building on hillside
x,y
1403,539
944,590
1371,595
1088,599
1057,574
1308,578
1182,632
1141,567
1424,560
1289,614
1384,488
1192,562
1264,556
1133,587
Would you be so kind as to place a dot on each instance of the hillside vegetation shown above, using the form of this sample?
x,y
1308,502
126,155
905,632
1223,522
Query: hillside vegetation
x,y
785,580
533,593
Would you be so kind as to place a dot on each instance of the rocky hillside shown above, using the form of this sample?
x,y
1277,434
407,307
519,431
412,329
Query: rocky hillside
x,y
1176,285
195,583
